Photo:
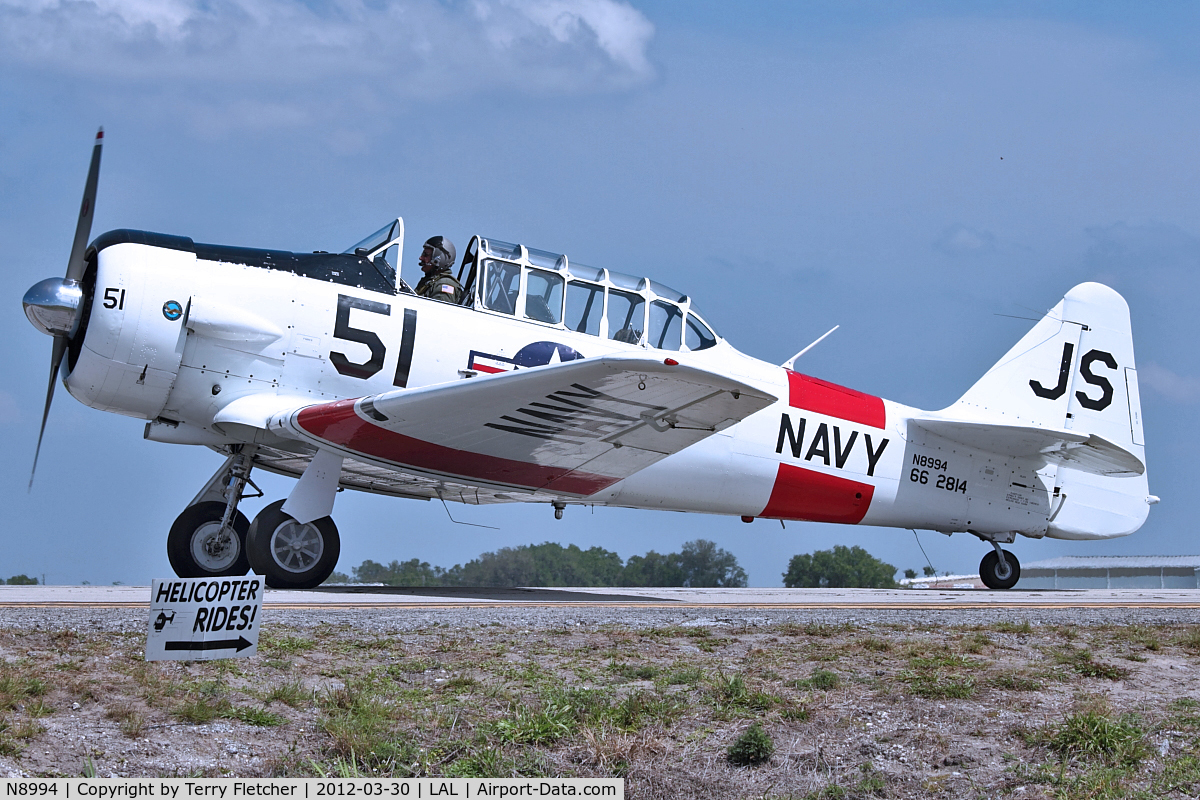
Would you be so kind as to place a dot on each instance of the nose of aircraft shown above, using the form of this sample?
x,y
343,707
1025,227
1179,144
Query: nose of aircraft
x,y
52,306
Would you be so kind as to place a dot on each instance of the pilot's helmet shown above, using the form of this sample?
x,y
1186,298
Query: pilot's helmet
x,y
437,254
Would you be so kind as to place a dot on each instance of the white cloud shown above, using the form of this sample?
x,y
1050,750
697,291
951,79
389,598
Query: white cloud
x,y
961,240
620,30
1143,248
1180,388
284,53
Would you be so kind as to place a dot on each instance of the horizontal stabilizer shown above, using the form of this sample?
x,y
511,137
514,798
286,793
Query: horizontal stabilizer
x,y
1082,451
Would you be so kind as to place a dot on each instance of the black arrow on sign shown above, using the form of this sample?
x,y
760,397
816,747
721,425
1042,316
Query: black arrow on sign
x,y
241,643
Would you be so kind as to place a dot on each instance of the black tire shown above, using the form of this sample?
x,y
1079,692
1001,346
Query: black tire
x,y
291,555
196,549
989,571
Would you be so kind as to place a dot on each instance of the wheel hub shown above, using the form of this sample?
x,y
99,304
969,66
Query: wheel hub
x,y
296,547
215,547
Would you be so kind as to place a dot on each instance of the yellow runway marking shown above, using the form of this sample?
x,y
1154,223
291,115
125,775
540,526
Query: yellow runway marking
x,y
475,604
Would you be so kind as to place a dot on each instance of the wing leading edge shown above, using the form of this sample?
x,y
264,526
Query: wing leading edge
x,y
572,429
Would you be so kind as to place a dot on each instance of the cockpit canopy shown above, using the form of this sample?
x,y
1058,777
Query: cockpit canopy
x,y
545,288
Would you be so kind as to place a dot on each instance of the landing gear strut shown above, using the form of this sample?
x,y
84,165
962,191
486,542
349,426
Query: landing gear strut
x,y
291,554
209,538
999,569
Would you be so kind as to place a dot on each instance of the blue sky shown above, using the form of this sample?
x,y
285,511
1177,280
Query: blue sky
x,y
913,172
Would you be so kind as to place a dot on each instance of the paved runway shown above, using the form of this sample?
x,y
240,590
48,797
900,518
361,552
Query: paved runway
x,y
387,597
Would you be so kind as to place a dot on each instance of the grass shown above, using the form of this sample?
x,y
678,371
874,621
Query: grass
x,y
635,672
1081,661
259,717
286,645
1181,775
132,723
524,725
1102,755
684,676
200,709
816,629
1189,639
875,645
1184,712
486,762
731,693
1016,682
291,693
1097,736
939,674
975,642
640,709
821,679
1142,635
752,747
15,688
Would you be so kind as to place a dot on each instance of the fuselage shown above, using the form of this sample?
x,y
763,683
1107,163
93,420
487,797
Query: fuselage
x,y
187,337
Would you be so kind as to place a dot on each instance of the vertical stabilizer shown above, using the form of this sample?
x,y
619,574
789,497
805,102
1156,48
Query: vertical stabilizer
x,y
1031,384
1075,370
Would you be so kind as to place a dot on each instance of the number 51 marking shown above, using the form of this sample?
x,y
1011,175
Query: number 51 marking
x,y
343,330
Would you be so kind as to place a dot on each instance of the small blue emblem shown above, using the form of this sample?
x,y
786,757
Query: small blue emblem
x,y
172,310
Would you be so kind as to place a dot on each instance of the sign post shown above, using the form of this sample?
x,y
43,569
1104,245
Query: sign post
x,y
203,619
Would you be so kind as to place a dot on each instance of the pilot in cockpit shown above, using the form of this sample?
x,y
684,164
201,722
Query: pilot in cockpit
x,y
437,257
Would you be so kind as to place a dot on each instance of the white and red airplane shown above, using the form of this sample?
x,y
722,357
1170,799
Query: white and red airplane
x,y
558,383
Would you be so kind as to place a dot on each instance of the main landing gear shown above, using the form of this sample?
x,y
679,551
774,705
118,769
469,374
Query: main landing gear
x,y
291,554
211,538
999,569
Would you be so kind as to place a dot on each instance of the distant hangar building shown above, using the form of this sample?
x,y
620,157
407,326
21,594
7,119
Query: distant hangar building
x,y
1112,572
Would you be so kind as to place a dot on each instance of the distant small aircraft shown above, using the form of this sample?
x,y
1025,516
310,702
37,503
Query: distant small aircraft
x,y
559,383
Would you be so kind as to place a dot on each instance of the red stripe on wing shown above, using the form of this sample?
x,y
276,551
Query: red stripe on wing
x,y
832,400
339,424
817,497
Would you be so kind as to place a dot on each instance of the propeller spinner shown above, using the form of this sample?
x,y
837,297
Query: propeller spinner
x,y
53,305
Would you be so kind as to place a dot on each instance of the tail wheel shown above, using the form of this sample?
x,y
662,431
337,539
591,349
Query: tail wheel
x,y
1000,576
198,547
291,554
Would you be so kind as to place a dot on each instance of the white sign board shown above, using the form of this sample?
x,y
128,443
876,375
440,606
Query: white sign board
x,y
201,619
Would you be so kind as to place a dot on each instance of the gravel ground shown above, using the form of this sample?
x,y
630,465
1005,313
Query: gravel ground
x,y
963,703
373,620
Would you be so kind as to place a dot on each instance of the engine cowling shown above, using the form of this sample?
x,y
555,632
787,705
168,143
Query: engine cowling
x,y
133,340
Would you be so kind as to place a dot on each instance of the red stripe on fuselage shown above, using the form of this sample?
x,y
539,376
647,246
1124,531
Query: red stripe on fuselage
x,y
832,400
817,497
339,424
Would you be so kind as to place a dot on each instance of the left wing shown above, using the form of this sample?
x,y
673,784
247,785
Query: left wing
x,y
568,429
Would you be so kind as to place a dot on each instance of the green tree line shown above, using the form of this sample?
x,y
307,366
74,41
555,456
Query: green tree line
x,y
698,564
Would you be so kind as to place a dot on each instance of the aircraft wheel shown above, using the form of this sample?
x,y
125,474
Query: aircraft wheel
x,y
197,547
290,554
996,577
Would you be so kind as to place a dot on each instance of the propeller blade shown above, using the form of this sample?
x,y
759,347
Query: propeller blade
x,y
83,229
56,357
